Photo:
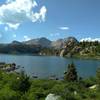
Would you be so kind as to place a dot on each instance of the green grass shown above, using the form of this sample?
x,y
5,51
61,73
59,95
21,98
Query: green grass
x,y
11,88
89,56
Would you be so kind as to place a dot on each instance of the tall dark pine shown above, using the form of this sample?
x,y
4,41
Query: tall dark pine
x,y
71,74
24,82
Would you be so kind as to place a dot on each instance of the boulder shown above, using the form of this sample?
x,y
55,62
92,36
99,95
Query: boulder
x,y
52,97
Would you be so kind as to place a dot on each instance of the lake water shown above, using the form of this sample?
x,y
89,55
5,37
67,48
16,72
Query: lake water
x,y
45,66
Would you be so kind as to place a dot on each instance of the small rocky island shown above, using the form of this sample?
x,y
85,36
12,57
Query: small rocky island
x,y
8,67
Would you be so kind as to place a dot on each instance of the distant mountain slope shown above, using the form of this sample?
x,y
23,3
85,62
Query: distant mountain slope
x,y
57,44
16,43
60,43
19,48
43,42
35,45
64,47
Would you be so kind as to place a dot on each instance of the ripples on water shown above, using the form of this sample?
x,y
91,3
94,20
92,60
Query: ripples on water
x,y
45,66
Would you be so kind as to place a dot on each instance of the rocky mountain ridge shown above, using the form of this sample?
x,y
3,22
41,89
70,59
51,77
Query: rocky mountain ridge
x,y
62,47
44,42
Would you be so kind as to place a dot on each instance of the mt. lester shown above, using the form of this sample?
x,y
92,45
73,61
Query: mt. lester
x,y
62,47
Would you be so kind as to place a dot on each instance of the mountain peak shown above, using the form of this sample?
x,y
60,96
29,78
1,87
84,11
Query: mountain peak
x,y
16,42
71,39
44,42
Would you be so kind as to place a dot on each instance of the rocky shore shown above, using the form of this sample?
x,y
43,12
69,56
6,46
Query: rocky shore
x,y
8,67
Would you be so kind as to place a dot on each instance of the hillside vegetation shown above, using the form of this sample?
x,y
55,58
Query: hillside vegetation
x,y
18,86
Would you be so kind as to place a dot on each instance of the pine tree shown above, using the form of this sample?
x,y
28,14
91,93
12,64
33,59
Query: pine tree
x,y
71,74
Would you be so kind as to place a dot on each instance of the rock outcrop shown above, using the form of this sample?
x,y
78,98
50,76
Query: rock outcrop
x,y
70,46
52,97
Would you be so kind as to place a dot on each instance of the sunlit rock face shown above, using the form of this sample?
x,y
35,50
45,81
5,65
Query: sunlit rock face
x,y
69,46
61,43
58,44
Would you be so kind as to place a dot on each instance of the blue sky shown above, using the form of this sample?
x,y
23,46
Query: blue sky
x,y
26,19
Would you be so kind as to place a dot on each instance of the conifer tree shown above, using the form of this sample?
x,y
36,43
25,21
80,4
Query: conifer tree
x,y
71,74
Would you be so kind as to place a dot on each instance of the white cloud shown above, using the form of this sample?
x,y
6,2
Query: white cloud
x,y
35,4
90,39
55,34
15,12
14,35
6,28
39,16
64,28
26,38
14,26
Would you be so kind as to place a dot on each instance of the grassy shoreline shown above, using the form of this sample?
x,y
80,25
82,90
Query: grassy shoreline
x,y
20,87
87,57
